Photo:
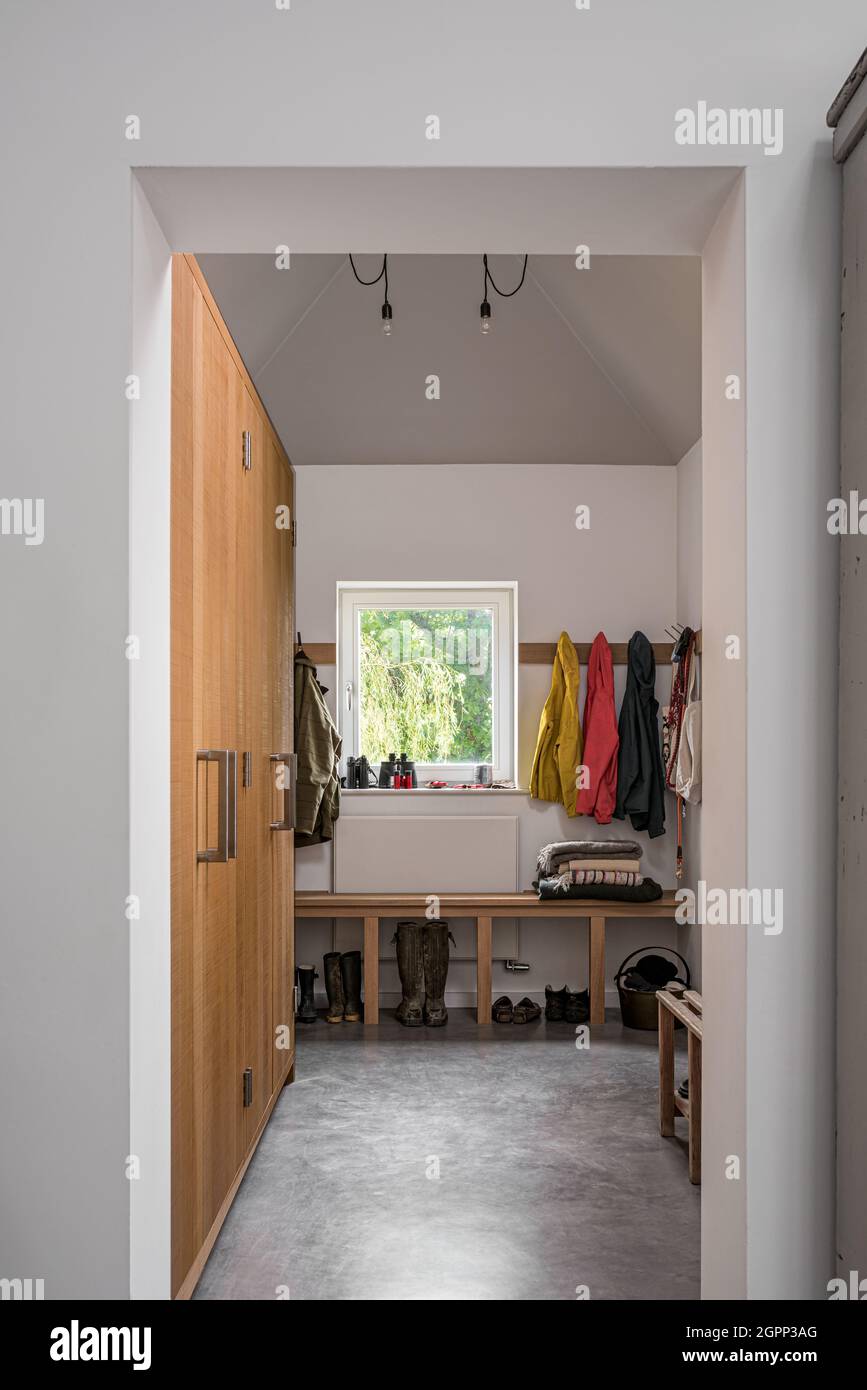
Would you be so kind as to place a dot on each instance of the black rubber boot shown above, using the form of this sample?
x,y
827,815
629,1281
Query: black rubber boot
x,y
306,1005
436,970
350,966
410,963
333,987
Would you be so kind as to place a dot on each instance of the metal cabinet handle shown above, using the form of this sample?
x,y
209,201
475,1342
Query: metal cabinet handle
x,y
290,761
227,814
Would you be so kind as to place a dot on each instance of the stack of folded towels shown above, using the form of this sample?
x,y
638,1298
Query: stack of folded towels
x,y
572,868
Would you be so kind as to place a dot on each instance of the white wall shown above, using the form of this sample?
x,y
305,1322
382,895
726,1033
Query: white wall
x,y
793,338
150,749
689,612
724,754
349,84
513,522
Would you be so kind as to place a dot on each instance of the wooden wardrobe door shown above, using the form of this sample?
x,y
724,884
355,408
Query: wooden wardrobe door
x,y
217,475
231,688
253,669
279,606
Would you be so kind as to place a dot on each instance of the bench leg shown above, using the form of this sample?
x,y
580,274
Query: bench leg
x,y
694,1073
483,969
666,1072
597,970
371,970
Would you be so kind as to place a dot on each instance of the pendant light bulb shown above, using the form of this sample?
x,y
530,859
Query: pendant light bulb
x,y
486,322
386,320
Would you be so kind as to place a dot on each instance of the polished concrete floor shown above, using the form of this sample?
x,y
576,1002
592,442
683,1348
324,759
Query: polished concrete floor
x,y
464,1163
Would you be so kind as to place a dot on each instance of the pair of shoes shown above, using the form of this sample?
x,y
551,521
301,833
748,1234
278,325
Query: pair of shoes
x,y
566,1005
305,975
343,986
525,1011
423,964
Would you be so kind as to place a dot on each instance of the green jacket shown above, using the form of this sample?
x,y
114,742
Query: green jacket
x,y
560,745
317,744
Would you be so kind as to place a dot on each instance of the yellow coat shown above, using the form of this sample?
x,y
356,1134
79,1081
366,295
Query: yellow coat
x,y
560,745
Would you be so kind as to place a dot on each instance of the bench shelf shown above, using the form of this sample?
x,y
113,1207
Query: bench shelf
x,y
482,908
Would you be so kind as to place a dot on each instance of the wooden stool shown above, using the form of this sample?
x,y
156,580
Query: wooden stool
x,y
688,1012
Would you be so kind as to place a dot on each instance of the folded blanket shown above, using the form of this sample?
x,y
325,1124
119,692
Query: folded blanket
x,y
620,866
645,892
624,878
563,850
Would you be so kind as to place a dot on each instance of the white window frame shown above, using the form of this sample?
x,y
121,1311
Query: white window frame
x,y
500,595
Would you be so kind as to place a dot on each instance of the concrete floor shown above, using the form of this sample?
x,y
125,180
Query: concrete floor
x,y
464,1163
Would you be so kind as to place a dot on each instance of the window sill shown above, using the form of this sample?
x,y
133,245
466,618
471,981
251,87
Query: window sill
x,y
480,792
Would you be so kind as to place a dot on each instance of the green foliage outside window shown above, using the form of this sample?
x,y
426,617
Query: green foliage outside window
x,y
427,684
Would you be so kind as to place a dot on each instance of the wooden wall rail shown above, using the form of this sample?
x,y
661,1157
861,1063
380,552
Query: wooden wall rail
x,y
529,653
543,653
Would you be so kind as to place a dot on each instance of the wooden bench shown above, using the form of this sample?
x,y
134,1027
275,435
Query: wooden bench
x,y
482,908
688,1011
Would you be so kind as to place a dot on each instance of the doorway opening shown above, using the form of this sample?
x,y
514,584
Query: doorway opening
x,y
580,453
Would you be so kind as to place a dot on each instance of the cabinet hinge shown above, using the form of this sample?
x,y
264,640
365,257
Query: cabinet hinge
x,y
247,779
293,531
247,450
248,1086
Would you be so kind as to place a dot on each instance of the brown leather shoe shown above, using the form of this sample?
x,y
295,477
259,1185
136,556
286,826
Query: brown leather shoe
x,y
526,1011
501,1009
577,1006
555,1003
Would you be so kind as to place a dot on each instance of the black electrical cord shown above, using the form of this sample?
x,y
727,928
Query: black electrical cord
x,y
384,272
489,279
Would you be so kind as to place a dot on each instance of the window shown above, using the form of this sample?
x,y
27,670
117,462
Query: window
x,y
429,671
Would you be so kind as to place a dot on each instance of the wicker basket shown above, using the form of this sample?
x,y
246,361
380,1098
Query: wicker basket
x,y
639,1008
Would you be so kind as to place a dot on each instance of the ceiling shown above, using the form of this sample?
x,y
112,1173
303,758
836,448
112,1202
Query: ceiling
x,y
456,211
595,366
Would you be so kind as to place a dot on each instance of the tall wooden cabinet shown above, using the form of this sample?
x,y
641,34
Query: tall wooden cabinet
x,y
232,590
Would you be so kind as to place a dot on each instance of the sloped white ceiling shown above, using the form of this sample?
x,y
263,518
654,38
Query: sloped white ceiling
x,y
597,366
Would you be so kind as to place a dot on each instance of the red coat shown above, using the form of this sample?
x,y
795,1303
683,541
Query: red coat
x,y
601,740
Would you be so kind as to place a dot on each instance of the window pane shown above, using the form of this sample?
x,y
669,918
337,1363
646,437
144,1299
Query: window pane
x,y
426,684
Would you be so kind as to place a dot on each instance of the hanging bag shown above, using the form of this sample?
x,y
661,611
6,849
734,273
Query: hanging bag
x,y
672,715
688,767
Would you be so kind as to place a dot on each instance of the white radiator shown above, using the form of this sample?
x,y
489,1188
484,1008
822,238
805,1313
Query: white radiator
x,y
426,854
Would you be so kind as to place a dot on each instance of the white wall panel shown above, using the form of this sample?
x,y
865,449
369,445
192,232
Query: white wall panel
x,y
426,854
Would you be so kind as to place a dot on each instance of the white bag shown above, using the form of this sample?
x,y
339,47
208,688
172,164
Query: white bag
x,y
687,770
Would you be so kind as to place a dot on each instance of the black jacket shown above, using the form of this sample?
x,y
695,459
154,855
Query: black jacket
x,y
640,776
